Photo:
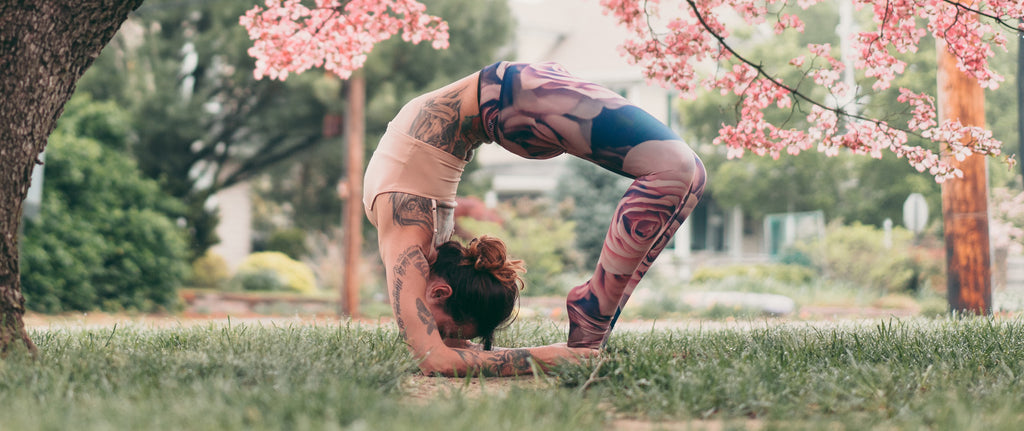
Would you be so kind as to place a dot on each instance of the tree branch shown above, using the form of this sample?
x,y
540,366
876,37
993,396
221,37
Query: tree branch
x,y
791,90
992,17
258,163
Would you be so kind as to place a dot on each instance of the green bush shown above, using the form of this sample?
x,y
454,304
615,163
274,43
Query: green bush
x,y
103,239
786,274
291,241
544,241
857,254
293,275
259,280
210,270
594,193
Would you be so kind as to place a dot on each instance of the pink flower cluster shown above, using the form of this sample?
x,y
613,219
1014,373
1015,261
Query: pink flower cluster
x,y
289,37
697,33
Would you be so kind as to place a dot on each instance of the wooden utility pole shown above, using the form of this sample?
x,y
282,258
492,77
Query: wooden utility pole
x,y
965,200
355,132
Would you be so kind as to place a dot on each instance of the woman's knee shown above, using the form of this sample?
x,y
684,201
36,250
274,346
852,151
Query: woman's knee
x,y
665,159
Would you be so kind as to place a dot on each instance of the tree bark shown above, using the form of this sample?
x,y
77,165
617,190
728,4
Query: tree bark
x,y
45,46
965,200
355,132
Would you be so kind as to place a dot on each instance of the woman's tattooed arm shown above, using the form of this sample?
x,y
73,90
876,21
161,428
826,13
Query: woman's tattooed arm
x,y
411,263
510,362
406,238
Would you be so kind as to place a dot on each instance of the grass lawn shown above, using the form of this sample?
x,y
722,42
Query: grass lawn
x,y
890,374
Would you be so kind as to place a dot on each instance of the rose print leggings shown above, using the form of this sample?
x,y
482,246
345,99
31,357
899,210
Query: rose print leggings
x,y
539,111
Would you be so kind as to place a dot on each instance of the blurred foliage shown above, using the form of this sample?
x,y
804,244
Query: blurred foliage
x,y
859,254
537,233
200,122
1006,223
304,187
290,241
273,270
105,238
849,187
593,193
210,271
788,274
259,280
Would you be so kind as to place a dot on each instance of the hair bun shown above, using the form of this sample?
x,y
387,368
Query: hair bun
x,y
488,253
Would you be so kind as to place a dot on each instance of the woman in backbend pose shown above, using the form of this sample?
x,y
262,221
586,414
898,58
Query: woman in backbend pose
x,y
443,294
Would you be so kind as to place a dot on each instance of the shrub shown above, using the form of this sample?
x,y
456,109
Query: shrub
x,y
786,274
210,270
594,193
259,280
293,275
290,241
856,253
103,239
543,240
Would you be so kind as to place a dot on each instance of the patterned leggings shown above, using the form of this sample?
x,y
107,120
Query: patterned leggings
x,y
650,212
539,111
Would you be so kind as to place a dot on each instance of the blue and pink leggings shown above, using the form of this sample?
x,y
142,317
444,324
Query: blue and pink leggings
x,y
540,111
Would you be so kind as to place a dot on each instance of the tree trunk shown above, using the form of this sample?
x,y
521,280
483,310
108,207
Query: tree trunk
x,y
45,46
965,200
355,132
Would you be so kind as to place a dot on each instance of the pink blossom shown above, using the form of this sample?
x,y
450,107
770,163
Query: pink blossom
x,y
289,37
696,29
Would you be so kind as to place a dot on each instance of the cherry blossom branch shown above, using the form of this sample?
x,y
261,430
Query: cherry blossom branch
x,y
885,127
761,71
997,18
289,37
701,35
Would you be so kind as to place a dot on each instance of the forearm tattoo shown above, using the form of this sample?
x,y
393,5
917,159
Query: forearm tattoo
x,y
410,263
411,210
509,362
425,317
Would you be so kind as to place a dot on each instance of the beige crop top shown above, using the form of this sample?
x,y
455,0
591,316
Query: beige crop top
x,y
405,164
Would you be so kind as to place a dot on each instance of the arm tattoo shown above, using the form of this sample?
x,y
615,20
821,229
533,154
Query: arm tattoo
x,y
410,210
425,317
396,305
509,362
411,257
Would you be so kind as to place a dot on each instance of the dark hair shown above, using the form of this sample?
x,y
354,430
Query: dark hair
x,y
485,283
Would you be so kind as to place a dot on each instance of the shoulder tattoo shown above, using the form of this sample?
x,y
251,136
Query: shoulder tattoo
x,y
410,210
440,123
